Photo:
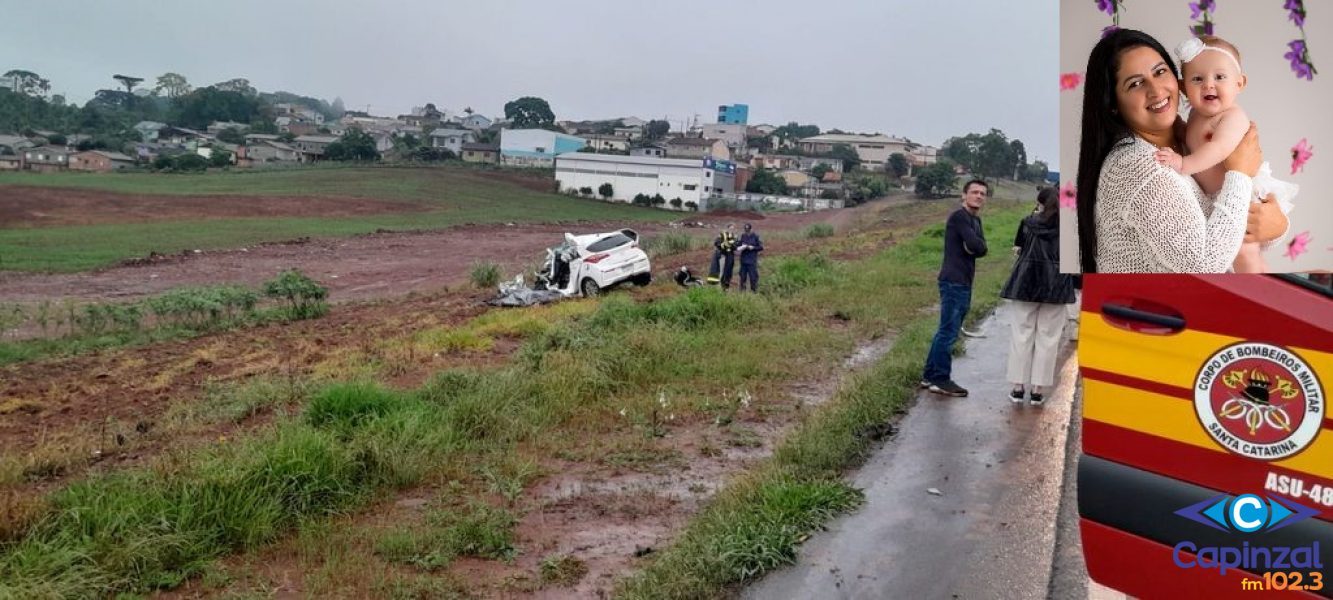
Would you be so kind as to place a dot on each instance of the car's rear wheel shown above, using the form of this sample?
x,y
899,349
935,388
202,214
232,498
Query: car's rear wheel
x,y
589,288
641,279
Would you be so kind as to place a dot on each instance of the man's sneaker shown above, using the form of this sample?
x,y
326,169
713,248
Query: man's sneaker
x,y
948,388
1034,399
1016,396
925,383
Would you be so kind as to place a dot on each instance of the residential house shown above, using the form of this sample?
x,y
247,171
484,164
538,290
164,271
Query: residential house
x,y
776,162
608,143
261,151
10,162
313,146
14,143
180,136
731,133
261,137
9,83
761,130
481,153
217,127
653,150
46,158
633,133
299,112
693,147
873,150
536,147
100,161
796,179
148,130
475,122
451,139
633,122
808,163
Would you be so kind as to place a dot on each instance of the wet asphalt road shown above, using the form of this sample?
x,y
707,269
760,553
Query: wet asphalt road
x,y
992,531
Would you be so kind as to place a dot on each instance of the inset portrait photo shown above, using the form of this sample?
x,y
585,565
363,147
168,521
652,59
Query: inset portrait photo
x,y
1192,137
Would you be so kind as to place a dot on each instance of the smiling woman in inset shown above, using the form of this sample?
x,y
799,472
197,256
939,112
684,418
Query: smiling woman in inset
x,y
1135,215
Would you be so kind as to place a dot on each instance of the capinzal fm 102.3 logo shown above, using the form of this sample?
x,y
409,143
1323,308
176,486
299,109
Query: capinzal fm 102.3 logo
x,y
1259,400
1247,514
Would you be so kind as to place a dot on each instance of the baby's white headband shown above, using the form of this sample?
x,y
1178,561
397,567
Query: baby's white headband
x,y
1190,49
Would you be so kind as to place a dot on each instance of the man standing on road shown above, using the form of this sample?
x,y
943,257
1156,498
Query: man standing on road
x,y
963,243
724,252
750,248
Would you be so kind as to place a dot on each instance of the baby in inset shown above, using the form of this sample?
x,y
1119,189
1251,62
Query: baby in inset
x,y
1212,79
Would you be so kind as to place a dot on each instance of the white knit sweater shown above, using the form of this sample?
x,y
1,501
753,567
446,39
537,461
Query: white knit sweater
x,y
1150,219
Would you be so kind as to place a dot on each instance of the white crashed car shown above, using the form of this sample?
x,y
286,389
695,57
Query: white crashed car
x,y
588,264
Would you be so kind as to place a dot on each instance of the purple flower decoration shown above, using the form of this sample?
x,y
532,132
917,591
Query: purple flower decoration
x,y
1106,6
1109,29
1297,12
1299,64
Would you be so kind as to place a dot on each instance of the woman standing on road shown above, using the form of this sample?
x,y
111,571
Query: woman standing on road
x,y
1039,293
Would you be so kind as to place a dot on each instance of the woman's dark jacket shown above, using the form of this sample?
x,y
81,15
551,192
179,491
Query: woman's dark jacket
x,y
1036,276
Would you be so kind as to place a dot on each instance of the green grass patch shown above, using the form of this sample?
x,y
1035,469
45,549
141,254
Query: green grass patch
x,y
669,243
482,531
452,196
485,274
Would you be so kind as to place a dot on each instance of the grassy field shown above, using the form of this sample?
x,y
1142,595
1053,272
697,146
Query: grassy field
x,y
587,380
456,195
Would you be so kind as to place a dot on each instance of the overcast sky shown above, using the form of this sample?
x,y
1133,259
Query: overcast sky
x,y
923,69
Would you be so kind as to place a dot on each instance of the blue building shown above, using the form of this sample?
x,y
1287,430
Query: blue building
x,y
733,113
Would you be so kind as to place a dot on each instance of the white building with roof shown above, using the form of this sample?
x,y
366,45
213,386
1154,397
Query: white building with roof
x,y
873,150
536,147
690,179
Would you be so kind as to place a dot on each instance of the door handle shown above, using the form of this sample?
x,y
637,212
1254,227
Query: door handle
x,y
1137,318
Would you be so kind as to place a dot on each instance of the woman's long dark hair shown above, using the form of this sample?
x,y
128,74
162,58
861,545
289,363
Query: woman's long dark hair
x,y
1049,199
1102,128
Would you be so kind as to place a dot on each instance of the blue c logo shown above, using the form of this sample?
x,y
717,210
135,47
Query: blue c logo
x,y
1248,513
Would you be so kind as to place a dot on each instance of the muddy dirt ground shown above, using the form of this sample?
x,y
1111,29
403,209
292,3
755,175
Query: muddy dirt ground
x,y
29,206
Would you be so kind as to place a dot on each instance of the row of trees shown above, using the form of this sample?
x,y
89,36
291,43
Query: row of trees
x,y
109,117
993,155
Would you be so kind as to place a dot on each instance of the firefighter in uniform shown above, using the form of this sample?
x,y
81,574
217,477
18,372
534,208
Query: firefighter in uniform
x,y
724,252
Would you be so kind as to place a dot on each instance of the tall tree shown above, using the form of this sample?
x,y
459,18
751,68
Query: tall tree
x,y
530,112
766,181
656,129
172,85
353,145
338,107
936,181
239,85
129,81
850,159
29,83
898,164
794,130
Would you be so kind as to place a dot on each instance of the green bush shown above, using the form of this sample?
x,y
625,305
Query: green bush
x,y
818,230
485,274
305,297
790,274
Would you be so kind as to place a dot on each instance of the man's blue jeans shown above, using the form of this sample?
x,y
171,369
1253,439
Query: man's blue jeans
x,y
955,300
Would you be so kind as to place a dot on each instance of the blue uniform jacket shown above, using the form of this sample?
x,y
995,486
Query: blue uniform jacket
x,y
751,256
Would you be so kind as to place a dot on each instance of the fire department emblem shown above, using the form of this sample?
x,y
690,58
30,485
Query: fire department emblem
x,y
1259,400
